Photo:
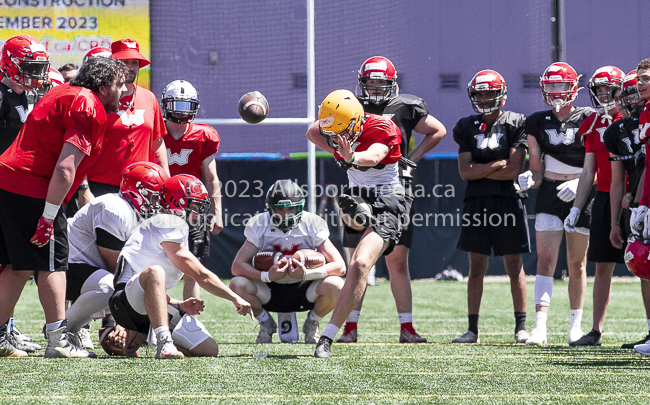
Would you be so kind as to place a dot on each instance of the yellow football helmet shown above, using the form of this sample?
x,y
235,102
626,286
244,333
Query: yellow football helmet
x,y
340,114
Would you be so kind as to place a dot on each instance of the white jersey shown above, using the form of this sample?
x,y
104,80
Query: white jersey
x,y
309,234
144,248
384,181
110,213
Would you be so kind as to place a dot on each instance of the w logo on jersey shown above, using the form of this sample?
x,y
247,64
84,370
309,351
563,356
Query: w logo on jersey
x,y
557,138
22,112
601,132
287,252
180,159
132,120
491,142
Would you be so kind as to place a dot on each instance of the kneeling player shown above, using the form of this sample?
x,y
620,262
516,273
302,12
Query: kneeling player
x,y
153,260
288,286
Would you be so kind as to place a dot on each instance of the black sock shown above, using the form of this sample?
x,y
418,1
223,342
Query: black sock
x,y
473,323
520,321
596,332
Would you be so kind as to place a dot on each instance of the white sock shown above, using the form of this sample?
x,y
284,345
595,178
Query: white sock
x,y
405,317
576,319
161,329
53,326
313,317
354,316
330,331
263,316
543,290
540,320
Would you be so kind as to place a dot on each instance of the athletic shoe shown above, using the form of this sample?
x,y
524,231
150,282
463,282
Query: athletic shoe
x,y
593,338
7,347
537,337
323,348
86,341
20,336
574,335
60,344
467,337
640,342
310,329
348,337
522,336
26,346
166,349
134,341
267,329
350,207
643,349
407,337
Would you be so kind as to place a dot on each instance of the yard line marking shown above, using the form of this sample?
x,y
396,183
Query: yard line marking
x,y
386,395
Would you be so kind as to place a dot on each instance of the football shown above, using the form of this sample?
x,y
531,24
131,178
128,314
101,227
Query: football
x,y
311,259
263,260
109,344
253,107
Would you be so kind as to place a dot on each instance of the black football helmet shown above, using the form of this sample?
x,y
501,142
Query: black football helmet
x,y
285,194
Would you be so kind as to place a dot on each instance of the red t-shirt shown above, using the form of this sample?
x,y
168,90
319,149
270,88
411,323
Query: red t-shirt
x,y
644,125
378,129
186,154
129,136
65,114
593,139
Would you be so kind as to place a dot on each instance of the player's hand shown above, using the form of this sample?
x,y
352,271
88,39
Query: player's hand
x,y
616,236
216,224
572,219
279,269
525,180
118,336
567,190
44,231
84,197
243,307
344,148
297,270
192,306
637,219
627,200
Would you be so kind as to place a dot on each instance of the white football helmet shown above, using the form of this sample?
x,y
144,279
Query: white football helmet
x,y
180,102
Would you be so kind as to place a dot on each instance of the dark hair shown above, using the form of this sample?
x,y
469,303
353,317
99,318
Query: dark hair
x,y
68,67
97,72
644,64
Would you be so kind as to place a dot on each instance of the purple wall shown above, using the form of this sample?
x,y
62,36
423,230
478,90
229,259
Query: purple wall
x,y
261,46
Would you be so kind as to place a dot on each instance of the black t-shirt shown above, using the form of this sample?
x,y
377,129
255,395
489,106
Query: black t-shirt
x,y
487,144
405,110
622,139
557,138
13,113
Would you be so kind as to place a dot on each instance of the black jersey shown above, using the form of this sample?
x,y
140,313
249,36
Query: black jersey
x,y
13,113
406,110
559,139
622,139
487,144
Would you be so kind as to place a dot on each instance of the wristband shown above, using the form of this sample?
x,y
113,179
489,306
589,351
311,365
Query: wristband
x,y
265,277
314,274
83,186
50,211
178,306
355,159
351,159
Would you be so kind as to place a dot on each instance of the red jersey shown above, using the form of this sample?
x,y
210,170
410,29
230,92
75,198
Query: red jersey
x,y
378,129
644,125
186,154
592,130
65,114
129,136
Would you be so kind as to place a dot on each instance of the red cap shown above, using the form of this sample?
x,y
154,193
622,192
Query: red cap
x,y
128,49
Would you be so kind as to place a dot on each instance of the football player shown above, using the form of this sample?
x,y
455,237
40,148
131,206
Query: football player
x,y
287,286
556,160
604,86
491,155
380,95
97,234
627,156
375,203
190,150
154,259
41,170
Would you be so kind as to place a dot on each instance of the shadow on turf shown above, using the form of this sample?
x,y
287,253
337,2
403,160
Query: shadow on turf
x,y
268,356
586,357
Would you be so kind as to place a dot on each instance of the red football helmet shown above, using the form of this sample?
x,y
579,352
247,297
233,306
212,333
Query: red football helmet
x,y
487,80
55,77
637,257
99,51
141,184
630,99
24,61
179,191
559,84
609,77
378,68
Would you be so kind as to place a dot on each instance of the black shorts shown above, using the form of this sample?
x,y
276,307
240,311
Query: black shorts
x,y
496,223
549,203
406,238
389,210
199,242
124,313
19,216
600,248
76,276
99,189
289,297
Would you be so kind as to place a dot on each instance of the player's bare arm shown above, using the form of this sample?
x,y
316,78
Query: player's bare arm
x,y
469,170
586,181
313,134
513,167
616,195
433,131
369,157
535,164
192,306
211,181
109,256
334,263
160,154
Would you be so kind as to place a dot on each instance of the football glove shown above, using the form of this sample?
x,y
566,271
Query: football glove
x,y
572,219
637,219
43,233
525,181
567,190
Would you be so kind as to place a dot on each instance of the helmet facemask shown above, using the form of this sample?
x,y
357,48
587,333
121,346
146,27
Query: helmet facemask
x,y
486,106
603,98
34,73
146,201
379,91
352,132
290,216
180,111
631,101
